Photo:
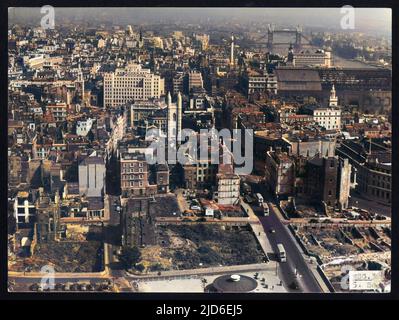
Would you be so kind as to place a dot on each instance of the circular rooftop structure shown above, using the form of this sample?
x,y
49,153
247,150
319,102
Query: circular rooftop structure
x,y
234,283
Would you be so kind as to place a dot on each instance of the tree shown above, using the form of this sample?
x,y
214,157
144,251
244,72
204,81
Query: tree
x,y
130,256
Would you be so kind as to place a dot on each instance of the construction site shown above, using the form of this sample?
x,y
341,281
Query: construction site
x,y
79,250
339,248
182,247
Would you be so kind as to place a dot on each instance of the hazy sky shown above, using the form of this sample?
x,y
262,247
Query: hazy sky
x,y
366,19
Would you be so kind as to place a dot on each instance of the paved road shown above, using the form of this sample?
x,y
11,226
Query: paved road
x,y
113,205
295,261
296,267
356,200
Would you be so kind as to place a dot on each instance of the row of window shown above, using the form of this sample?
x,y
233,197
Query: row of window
x,y
381,194
132,177
132,184
133,165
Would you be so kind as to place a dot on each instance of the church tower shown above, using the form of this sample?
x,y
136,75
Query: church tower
x,y
175,111
179,114
172,119
333,102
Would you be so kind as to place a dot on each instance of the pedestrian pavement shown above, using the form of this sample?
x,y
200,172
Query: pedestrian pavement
x,y
258,230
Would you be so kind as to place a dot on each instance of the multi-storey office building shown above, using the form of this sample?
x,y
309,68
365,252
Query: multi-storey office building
x,y
131,83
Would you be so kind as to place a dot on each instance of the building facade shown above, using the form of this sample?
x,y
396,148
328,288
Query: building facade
x,y
372,169
91,175
318,58
134,174
280,173
329,118
131,83
24,209
58,111
195,80
228,191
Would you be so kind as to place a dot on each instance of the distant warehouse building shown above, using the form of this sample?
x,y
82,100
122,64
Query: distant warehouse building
x,y
298,81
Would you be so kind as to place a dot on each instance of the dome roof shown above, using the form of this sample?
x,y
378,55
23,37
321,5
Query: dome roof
x,y
234,283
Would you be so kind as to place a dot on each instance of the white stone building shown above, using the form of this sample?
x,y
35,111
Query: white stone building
x,y
329,118
83,127
131,83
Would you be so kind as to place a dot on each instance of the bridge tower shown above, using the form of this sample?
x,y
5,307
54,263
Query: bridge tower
x,y
298,37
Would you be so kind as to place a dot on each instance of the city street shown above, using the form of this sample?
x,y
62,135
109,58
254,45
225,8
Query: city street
x,y
296,268
356,201
295,261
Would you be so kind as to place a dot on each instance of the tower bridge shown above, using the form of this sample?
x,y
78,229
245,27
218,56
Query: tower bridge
x,y
272,31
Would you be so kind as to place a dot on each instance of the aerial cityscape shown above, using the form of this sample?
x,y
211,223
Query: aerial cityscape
x,y
221,150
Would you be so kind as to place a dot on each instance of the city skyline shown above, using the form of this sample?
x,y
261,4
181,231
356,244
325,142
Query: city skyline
x,y
375,20
210,150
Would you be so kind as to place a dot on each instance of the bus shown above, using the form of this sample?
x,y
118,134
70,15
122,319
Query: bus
x,y
281,253
259,199
266,210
